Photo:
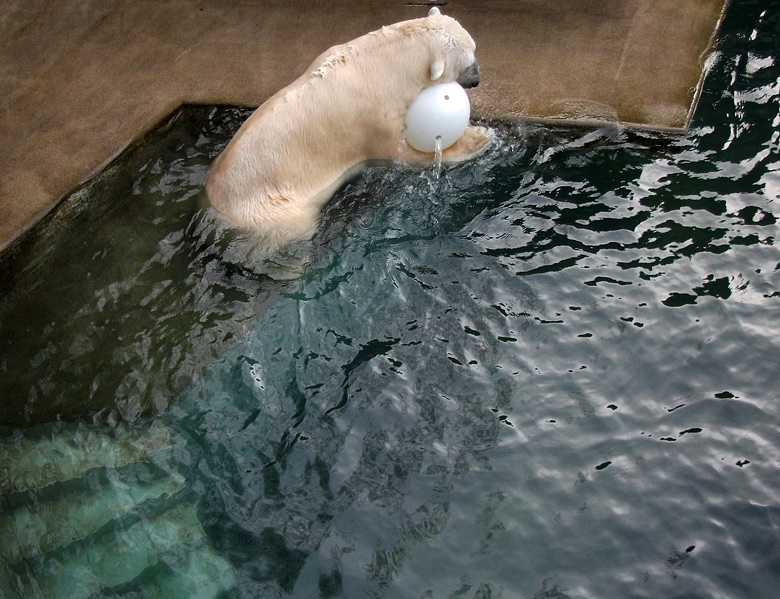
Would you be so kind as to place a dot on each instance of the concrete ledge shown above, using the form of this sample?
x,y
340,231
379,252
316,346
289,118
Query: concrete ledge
x,y
81,79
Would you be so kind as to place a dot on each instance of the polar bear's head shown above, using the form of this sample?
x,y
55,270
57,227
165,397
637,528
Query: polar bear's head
x,y
452,51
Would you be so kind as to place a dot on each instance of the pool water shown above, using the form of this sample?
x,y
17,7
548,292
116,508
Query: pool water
x,y
553,372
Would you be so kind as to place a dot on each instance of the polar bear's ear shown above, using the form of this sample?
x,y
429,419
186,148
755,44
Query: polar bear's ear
x,y
437,69
437,66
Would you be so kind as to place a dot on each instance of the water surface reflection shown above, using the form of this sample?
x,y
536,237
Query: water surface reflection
x,y
551,373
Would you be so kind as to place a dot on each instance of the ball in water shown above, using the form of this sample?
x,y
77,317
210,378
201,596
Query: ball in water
x,y
440,112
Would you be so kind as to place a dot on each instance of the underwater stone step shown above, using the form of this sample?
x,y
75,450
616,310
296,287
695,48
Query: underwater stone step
x,y
26,464
36,529
116,558
204,575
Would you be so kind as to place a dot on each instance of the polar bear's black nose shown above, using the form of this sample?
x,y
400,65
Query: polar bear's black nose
x,y
470,76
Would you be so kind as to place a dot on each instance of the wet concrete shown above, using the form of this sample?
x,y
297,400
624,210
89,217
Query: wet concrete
x,y
81,79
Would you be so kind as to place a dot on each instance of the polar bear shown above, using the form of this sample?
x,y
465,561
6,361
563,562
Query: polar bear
x,y
347,110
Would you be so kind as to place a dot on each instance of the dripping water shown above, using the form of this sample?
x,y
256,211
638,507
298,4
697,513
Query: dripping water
x,y
437,159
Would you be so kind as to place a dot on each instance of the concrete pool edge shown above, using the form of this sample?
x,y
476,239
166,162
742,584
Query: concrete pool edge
x,y
16,240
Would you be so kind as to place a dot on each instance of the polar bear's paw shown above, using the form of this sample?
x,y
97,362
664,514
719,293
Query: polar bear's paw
x,y
471,144
474,141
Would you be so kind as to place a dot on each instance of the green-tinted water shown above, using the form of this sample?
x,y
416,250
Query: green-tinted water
x,y
551,373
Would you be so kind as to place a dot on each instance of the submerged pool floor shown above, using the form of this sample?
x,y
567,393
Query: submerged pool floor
x,y
550,373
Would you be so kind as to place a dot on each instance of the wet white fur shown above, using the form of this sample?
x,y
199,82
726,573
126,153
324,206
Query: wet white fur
x,y
348,108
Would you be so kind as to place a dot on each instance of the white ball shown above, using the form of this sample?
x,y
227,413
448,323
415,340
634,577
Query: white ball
x,y
440,111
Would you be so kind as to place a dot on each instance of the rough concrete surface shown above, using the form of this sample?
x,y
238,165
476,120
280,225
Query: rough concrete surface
x,y
80,79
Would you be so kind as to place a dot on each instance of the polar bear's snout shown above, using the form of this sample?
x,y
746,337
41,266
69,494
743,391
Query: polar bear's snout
x,y
470,76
